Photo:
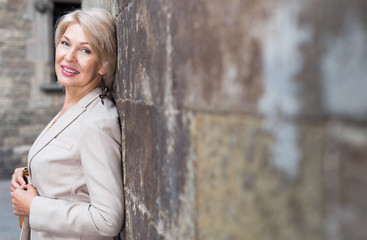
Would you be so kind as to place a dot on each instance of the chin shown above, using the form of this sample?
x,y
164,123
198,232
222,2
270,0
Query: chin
x,y
64,82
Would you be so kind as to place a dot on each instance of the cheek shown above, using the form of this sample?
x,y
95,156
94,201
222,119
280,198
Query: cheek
x,y
57,55
91,65
58,59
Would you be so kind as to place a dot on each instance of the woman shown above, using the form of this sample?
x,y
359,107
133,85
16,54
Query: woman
x,y
75,189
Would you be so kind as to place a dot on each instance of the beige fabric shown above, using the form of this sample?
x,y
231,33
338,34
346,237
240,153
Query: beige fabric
x,y
76,168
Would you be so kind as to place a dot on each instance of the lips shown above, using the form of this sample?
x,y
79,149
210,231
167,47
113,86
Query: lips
x,y
68,71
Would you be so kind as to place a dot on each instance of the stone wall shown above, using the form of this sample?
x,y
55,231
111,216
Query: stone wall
x,y
242,119
24,108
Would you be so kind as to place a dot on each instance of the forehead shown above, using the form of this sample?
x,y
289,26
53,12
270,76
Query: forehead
x,y
74,32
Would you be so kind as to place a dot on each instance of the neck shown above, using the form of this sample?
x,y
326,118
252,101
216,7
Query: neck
x,y
73,95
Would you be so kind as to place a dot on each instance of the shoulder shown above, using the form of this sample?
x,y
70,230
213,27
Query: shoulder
x,y
97,109
100,116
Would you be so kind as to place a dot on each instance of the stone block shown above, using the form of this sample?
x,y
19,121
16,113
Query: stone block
x,y
156,152
142,55
141,155
5,153
9,130
13,141
217,63
346,181
341,33
223,177
110,5
176,173
137,224
6,82
123,4
305,68
158,55
241,194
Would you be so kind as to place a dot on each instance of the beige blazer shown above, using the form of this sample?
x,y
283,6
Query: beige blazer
x,y
76,168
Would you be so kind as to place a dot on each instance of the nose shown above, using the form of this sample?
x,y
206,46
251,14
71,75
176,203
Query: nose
x,y
70,55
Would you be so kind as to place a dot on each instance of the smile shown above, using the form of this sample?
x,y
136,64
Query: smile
x,y
69,70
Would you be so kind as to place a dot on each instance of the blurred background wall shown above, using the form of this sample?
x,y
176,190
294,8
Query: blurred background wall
x,y
29,96
241,119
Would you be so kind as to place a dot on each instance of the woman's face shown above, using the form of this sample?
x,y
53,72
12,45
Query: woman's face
x,y
76,65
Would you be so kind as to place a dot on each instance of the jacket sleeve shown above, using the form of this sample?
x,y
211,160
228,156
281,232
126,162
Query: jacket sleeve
x,y
100,154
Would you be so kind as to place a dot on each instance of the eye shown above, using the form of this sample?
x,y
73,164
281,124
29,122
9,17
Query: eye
x,y
65,43
86,51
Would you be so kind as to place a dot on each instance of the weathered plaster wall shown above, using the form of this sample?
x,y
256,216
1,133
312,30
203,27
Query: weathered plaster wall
x,y
243,119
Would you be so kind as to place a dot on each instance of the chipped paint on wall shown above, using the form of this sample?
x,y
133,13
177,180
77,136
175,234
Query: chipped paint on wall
x,y
344,70
282,61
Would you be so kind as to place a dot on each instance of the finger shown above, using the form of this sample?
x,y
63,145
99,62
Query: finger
x,y
17,180
14,195
30,187
12,189
21,180
14,184
32,190
15,212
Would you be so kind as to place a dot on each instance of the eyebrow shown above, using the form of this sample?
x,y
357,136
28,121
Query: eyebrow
x,y
83,43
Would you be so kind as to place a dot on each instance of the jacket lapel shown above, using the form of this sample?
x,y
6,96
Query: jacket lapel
x,y
63,122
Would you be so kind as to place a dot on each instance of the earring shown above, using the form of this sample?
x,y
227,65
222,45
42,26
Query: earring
x,y
104,90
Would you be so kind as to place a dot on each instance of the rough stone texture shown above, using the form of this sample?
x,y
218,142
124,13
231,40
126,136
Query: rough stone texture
x,y
110,5
237,119
25,109
344,178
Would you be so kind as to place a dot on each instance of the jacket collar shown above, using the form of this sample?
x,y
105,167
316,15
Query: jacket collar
x,y
63,122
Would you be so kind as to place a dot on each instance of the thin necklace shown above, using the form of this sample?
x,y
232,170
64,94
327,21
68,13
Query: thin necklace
x,y
53,123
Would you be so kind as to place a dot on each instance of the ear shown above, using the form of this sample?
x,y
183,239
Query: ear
x,y
101,70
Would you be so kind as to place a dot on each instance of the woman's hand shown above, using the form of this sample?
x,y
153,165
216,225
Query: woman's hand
x,y
22,199
17,179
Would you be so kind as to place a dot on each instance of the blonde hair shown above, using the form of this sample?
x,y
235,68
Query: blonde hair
x,y
99,26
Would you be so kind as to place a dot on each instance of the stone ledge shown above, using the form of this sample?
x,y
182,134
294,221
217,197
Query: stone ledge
x,y
52,87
